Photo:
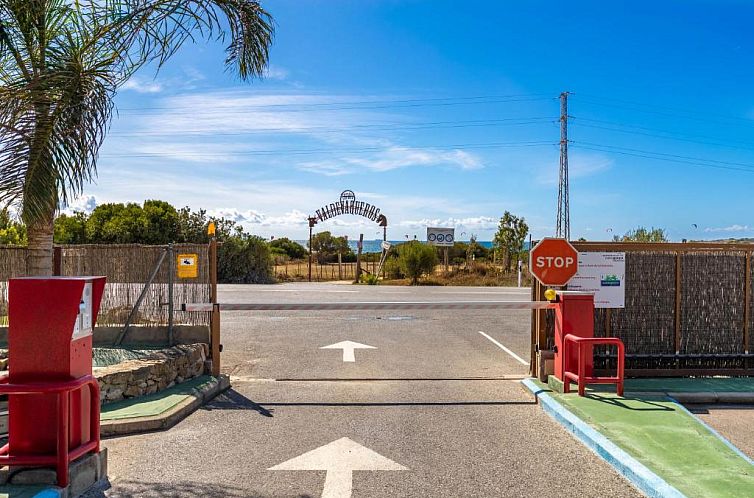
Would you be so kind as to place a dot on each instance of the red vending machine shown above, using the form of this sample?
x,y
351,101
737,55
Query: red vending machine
x,y
51,320
574,314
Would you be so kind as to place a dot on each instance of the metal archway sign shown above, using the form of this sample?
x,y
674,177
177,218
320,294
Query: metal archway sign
x,y
347,204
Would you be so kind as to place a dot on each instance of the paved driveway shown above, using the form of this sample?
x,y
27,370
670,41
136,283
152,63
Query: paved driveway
x,y
433,408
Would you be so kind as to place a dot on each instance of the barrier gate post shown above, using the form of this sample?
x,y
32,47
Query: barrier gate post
x,y
574,314
53,400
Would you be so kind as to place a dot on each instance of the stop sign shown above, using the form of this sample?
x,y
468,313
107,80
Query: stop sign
x,y
553,261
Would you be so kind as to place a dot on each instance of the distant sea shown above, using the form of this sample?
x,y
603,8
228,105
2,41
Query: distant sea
x,y
374,245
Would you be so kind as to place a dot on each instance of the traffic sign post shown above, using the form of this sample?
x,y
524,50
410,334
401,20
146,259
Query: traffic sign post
x,y
553,261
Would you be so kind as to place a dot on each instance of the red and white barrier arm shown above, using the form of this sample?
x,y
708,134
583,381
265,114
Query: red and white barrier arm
x,y
379,306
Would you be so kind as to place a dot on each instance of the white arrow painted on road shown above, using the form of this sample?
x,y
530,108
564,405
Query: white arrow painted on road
x,y
348,347
339,458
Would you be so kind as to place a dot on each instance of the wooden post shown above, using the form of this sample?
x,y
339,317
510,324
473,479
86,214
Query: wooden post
x,y
310,249
215,317
57,261
677,302
747,301
340,267
358,257
446,260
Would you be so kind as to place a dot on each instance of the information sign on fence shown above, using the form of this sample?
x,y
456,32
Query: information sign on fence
x,y
603,273
187,265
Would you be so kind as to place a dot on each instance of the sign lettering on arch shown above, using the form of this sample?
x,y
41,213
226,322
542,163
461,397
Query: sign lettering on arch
x,y
347,204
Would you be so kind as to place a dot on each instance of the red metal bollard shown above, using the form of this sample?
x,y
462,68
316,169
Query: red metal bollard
x,y
584,351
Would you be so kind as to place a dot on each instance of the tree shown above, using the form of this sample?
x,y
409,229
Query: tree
x,y
326,246
510,237
641,234
62,63
12,232
416,259
286,246
244,259
70,229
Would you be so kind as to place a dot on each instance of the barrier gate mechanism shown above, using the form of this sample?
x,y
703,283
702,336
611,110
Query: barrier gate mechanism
x,y
574,315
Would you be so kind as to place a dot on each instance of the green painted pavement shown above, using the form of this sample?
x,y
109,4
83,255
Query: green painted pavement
x,y
666,439
26,491
154,404
687,385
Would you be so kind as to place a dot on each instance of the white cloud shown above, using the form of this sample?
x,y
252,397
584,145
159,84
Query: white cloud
x,y
471,223
276,73
731,228
140,85
391,158
251,217
81,204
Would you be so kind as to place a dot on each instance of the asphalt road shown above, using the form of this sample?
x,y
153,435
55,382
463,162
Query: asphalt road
x,y
435,409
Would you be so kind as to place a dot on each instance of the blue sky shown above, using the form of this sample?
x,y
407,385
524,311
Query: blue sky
x,y
445,113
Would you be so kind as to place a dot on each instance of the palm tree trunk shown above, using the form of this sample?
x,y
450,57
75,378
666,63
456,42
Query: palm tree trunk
x,y
39,259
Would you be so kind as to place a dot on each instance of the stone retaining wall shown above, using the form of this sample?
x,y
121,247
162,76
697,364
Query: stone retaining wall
x,y
152,373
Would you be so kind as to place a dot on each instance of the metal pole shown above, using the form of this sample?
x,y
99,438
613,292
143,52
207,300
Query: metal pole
x,y
310,250
171,279
215,317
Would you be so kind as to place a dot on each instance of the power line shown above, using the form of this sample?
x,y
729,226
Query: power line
x,y
668,137
375,126
483,98
337,151
223,111
694,161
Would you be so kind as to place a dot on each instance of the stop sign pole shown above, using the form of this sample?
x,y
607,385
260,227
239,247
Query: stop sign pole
x,y
553,261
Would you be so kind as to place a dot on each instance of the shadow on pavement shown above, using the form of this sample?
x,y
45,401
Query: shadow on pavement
x,y
233,400
123,489
648,404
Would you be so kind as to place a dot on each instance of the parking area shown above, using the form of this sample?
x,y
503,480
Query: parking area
x,y
367,404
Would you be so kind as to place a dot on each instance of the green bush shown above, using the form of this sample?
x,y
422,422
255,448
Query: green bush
x,y
416,259
393,269
286,246
244,259
369,279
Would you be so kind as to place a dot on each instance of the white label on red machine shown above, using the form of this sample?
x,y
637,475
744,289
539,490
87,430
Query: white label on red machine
x,y
83,325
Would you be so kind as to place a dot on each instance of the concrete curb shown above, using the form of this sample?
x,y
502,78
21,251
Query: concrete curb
x,y
639,475
706,398
166,420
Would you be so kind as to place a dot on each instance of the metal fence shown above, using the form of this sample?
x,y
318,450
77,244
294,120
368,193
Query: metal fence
x,y
687,309
127,268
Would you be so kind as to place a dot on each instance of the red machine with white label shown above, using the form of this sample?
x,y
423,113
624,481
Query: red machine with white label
x,y
51,391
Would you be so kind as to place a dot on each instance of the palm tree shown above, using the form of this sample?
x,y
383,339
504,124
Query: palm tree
x,y
61,63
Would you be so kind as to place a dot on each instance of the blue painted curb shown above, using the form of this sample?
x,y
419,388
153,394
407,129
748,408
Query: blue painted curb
x,y
639,475
714,432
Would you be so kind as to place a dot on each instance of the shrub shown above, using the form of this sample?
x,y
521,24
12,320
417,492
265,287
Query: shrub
x,y
369,279
393,269
244,259
286,246
416,259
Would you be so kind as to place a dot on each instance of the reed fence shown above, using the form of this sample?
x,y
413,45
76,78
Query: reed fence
x,y
687,310
127,268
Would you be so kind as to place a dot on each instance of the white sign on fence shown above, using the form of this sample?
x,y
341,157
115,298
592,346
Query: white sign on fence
x,y
603,273
443,237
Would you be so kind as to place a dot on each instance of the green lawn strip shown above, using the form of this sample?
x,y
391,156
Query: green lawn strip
x,y
153,404
670,442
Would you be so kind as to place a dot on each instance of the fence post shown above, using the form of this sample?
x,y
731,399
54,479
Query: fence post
x,y
677,305
171,281
214,327
747,301
57,261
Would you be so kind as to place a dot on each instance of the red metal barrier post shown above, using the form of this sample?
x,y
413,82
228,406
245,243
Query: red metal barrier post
x,y
53,399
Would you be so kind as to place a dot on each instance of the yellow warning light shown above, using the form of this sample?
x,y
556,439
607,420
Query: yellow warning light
x,y
211,229
550,294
